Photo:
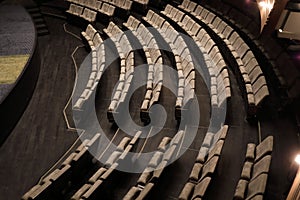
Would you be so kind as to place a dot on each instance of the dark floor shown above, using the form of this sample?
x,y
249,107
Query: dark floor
x,y
41,138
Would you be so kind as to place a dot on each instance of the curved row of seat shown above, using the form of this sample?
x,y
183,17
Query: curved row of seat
x,y
166,151
71,170
95,43
184,63
267,50
155,62
126,55
85,13
218,73
88,10
254,176
76,164
125,4
142,2
205,165
242,20
253,78
97,182
253,179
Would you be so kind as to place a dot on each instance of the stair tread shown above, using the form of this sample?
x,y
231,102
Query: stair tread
x,y
36,15
42,32
41,26
39,21
33,10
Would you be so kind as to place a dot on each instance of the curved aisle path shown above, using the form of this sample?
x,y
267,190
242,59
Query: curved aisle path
x,y
232,158
286,146
40,138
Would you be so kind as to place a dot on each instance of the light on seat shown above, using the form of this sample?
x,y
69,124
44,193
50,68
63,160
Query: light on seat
x,y
280,30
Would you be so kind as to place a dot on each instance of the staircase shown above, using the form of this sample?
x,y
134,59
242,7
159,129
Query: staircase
x,y
38,20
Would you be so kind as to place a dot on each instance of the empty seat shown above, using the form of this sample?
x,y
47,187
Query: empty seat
x,y
215,23
264,148
247,170
169,154
240,192
196,172
201,188
179,16
81,191
184,4
209,167
195,29
237,43
200,34
210,17
208,139
98,5
243,50
145,192
257,186
261,94
204,14
93,190
187,191
132,193
192,6
261,166
250,154
197,11
163,144
89,15
167,10
156,159
97,175
221,27
230,34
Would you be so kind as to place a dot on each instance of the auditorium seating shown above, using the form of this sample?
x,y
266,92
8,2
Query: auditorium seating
x,y
91,37
107,9
142,2
127,68
91,8
82,12
95,43
96,182
165,153
253,78
89,15
266,50
184,62
125,4
71,168
76,164
240,19
75,10
205,165
217,68
254,176
154,60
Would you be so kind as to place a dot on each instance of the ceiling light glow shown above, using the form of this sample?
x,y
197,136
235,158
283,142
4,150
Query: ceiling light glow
x,y
297,159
